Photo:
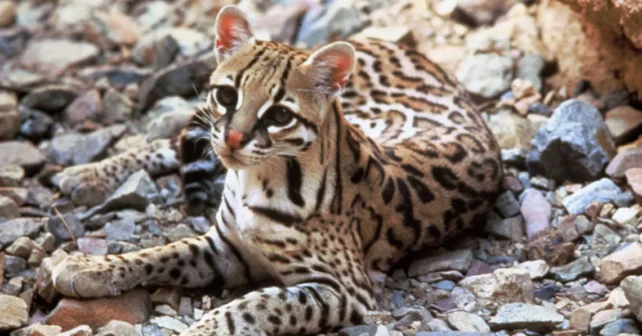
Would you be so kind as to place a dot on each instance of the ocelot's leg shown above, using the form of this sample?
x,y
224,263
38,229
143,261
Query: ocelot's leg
x,y
157,158
200,167
325,287
192,262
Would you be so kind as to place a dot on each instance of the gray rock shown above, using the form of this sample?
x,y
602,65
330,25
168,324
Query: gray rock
x,y
177,80
14,265
537,212
605,240
50,98
120,230
61,227
35,124
116,107
455,260
88,106
573,145
23,154
632,287
134,193
19,227
525,316
75,149
464,321
572,271
151,330
361,330
507,204
199,224
603,191
12,42
529,68
623,326
509,228
488,75
320,23
169,124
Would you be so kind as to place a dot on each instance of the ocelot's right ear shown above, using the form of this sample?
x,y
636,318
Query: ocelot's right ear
x,y
232,32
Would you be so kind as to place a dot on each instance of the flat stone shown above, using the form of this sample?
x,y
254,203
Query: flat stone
x,y
50,98
466,322
169,323
118,328
53,56
537,269
537,212
525,316
603,191
623,122
624,160
75,149
92,246
620,327
500,287
632,288
456,260
15,312
625,262
604,317
23,154
580,267
38,329
573,145
132,307
13,229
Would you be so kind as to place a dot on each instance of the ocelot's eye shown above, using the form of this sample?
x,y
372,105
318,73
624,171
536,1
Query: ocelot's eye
x,y
278,116
227,96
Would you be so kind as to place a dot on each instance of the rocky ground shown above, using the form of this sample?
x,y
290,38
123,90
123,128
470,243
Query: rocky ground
x,y
561,253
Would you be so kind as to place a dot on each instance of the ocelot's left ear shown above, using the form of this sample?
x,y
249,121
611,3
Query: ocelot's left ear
x,y
232,31
332,65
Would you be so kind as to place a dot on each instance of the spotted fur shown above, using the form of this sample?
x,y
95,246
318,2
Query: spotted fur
x,y
320,206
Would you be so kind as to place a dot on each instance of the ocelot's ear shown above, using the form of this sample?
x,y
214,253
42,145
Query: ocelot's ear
x,y
232,31
332,65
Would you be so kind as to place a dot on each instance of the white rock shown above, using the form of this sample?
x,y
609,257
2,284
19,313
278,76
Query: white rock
x,y
15,312
169,323
537,269
626,217
466,322
525,316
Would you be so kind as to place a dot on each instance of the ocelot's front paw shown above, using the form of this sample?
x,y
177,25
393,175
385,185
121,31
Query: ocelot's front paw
x,y
84,184
84,276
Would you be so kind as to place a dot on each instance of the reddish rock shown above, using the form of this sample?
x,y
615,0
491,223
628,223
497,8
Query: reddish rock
x,y
625,159
634,178
133,307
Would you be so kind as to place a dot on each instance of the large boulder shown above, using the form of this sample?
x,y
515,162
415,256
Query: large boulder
x,y
574,144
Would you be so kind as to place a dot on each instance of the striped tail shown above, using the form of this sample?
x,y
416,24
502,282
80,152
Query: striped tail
x,y
202,172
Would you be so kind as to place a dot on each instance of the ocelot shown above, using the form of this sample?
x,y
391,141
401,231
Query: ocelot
x,y
338,162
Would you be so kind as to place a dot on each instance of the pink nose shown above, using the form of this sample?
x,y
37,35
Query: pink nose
x,y
234,139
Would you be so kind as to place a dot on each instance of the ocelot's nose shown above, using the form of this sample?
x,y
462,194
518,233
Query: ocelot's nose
x,y
234,139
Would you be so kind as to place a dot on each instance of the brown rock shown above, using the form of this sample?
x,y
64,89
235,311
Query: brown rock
x,y
118,27
634,178
38,329
550,246
87,106
627,261
8,208
7,13
9,116
624,160
132,307
624,122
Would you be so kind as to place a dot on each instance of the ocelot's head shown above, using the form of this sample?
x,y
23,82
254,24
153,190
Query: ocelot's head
x,y
268,99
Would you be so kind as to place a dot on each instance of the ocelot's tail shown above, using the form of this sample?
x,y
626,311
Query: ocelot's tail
x,y
201,170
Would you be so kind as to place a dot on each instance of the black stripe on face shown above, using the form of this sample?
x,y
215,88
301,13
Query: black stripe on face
x,y
239,75
295,182
284,78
